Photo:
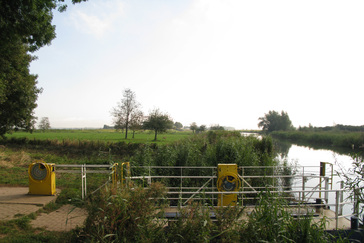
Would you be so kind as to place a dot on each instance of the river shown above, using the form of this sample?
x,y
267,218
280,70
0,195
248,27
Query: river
x,y
306,156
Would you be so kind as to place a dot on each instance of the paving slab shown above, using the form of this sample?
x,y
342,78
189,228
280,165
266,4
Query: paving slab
x,y
16,202
19,195
64,219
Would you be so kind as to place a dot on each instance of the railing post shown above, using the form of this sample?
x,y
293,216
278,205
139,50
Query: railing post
x,y
82,186
337,205
341,197
326,188
303,188
181,195
83,179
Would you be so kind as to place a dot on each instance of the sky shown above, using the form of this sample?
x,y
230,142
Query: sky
x,y
225,62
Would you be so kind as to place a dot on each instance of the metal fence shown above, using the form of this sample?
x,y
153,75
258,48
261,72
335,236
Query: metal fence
x,y
302,187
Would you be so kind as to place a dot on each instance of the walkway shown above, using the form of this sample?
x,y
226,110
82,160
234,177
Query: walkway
x,y
16,202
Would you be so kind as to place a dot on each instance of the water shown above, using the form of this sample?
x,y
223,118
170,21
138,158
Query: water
x,y
305,156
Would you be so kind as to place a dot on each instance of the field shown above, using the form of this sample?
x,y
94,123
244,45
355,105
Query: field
x,y
108,135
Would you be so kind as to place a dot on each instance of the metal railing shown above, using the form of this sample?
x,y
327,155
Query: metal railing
x,y
83,169
301,186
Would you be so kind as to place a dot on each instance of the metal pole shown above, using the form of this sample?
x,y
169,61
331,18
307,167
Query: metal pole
x,y
341,198
85,181
337,205
326,192
82,186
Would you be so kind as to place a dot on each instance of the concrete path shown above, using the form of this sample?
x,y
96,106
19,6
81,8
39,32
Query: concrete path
x,y
65,218
16,202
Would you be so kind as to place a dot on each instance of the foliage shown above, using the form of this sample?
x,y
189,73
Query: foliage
x,y
217,128
273,121
332,138
18,91
44,124
336,128
24,26
193,127
209,149
136,216
158,122
127,112
201,128
270,221
354,181
125,215
178,125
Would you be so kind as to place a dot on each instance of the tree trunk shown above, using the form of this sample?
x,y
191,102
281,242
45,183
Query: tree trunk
x,y
126,130
155,136
133,133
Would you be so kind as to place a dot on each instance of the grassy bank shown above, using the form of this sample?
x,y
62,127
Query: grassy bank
x,y
339,139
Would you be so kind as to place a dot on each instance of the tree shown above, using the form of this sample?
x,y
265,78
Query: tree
x,y
273,121
44,124
193,127
18,90
126,111
201,128
178,125
158,122
136,121
217,128
25,26
29,21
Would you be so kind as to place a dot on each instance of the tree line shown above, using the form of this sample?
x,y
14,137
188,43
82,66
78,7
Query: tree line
x,y
128,116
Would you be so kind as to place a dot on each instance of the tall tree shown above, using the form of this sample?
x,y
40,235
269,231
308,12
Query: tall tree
x,y
158,122
44,124
25,26
18,90
193,127
126,111
273,121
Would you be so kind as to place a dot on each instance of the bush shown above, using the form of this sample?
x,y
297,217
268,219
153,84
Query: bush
x,y
127,215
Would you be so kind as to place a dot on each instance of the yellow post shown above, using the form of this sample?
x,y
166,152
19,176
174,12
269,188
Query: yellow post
x,y
127,168
227,181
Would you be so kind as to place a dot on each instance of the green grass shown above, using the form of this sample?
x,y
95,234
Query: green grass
x,y
104,135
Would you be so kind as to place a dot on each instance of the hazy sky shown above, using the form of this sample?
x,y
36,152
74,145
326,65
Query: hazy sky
x,y
224,62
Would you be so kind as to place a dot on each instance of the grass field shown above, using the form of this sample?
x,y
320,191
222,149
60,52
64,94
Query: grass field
x,y
109,135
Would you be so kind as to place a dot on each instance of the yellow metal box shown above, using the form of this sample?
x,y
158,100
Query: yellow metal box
x,y
42,178
227,181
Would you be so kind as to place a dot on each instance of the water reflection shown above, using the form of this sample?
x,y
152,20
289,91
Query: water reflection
x,y
297,156
306,156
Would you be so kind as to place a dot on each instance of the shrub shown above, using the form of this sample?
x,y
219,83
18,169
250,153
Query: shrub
x,y
127,215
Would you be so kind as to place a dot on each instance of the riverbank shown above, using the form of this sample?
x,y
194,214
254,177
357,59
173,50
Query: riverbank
x,y
336,139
